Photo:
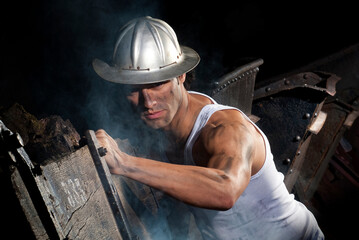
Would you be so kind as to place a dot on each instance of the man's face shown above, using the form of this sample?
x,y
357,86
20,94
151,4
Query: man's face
x,y
156,103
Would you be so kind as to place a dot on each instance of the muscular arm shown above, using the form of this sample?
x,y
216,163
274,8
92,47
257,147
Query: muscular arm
x,y
217,186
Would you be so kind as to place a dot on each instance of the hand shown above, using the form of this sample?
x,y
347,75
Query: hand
x,y
114,155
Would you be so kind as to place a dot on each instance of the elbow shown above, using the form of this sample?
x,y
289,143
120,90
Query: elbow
x,y
229,195
228,191
227,198
227,202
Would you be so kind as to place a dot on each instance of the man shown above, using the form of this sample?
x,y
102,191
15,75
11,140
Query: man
x,y
220,163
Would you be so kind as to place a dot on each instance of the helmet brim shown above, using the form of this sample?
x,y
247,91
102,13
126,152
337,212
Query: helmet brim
x,y
189,61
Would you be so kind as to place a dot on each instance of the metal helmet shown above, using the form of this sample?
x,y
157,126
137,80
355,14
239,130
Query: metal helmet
x,y
146,51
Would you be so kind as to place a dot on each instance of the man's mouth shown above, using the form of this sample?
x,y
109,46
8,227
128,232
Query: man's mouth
x,y
153,115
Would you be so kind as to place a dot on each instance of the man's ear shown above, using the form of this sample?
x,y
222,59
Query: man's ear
x,y
181,78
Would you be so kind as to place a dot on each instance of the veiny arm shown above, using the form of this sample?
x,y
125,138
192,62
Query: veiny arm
x,y
229,145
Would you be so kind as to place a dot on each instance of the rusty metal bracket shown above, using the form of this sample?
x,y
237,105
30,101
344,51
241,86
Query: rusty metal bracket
x,y
319,81
290,112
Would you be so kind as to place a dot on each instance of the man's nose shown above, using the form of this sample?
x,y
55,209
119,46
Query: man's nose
x,y
148,98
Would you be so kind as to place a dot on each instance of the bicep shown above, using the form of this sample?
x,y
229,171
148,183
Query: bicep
x,y
230,147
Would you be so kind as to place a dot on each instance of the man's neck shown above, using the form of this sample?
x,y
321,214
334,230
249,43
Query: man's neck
x,y
182,124
183,121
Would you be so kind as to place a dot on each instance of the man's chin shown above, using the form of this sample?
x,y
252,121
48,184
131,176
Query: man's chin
x,y
154,124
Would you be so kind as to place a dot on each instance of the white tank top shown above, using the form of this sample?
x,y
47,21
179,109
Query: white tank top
x,y
265,210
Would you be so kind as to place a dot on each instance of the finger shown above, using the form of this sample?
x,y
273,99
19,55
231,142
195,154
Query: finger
x,y
100,132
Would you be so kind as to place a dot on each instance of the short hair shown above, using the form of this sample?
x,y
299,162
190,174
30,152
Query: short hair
x,y
190,77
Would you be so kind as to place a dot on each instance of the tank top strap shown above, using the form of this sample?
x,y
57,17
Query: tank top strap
x,y
204,95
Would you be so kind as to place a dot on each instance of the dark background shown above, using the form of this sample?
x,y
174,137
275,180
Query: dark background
x,y
48,46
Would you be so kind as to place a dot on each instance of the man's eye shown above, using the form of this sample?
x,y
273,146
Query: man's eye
x,y
129,90
157,85
133,90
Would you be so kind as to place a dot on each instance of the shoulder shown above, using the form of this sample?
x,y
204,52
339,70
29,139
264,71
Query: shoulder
x,y
231,131
228,129
229,118
230,135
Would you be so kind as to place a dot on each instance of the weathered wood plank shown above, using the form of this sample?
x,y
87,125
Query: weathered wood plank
x,y
75,198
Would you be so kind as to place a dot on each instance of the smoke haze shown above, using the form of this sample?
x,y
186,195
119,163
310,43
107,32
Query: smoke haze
x,y
48,47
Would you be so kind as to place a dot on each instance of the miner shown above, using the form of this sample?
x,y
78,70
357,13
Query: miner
x,y
219,162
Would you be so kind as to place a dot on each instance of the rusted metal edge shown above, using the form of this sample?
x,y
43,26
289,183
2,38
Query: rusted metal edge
x,y
317,124
236,75
320,81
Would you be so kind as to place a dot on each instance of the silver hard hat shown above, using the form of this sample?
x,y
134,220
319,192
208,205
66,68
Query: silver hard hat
x,y
146,51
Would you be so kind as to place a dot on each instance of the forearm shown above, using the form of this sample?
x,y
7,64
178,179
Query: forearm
x,y
198,186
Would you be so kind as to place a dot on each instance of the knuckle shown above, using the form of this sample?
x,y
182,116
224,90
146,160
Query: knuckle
x,y
100,132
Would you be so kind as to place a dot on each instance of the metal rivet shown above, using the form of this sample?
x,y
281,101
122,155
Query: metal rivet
x,y
297,138
307,115
268,89
102,151
287,161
